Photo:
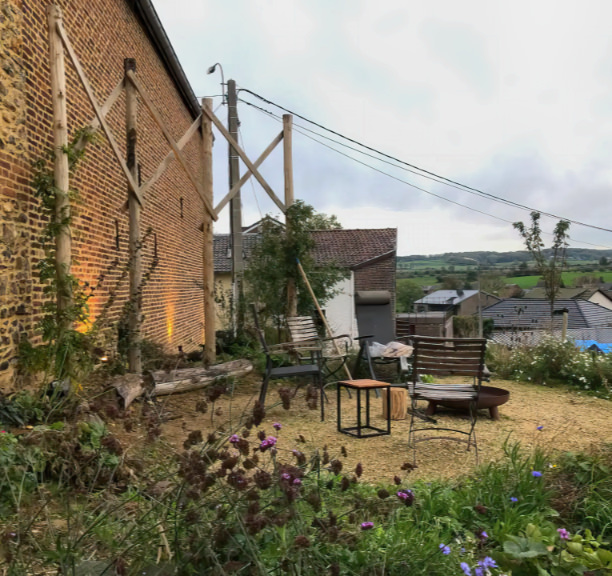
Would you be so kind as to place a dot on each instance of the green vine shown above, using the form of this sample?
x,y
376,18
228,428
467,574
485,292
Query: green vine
x,y
66,354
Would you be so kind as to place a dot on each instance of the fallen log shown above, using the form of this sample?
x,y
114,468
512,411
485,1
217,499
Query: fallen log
x,y
186,379
129,387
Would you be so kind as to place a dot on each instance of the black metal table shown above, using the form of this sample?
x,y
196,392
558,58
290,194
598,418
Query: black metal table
x,y
365,385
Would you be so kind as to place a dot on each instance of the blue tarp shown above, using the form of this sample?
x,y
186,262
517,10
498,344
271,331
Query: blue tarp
x,y
594,345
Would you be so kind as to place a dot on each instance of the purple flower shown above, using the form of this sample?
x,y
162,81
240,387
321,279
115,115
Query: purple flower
x,y
513,499
269,442
445,549
234,439
478,571
563,534
367,525
540,428
286,476
407,496
297,481
277,426
536,474
487,563
466,569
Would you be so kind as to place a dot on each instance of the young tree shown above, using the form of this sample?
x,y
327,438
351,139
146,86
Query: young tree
x,y
551,267
274,261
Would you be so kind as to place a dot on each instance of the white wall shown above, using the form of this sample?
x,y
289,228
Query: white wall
x,y
340,310
601,299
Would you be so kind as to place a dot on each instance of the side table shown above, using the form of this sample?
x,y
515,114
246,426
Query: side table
x,y
366,385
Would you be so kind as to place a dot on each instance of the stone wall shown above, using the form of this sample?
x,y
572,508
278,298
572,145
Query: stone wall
x,y
103,33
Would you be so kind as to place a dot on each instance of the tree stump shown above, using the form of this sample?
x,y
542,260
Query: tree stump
x,y
399,403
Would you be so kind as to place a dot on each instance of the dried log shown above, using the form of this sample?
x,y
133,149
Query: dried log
x,y
129,387
193,378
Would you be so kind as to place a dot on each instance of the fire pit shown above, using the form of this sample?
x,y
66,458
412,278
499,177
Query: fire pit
x,y
490,397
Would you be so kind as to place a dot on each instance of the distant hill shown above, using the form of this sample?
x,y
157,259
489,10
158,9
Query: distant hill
x,y
492,258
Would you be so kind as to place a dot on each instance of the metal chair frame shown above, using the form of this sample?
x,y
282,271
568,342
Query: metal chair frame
x,y
462,357
271,372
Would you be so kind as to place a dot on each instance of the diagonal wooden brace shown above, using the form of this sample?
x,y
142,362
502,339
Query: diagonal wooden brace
x,y
248,174
99,115
177,152
244,158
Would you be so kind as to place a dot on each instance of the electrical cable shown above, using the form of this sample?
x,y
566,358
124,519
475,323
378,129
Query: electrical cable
x,y
297,129
426,173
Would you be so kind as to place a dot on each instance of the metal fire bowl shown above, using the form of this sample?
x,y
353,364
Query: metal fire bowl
x,y
490,398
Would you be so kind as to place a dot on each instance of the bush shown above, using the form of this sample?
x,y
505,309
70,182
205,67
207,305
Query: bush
x,y
551,362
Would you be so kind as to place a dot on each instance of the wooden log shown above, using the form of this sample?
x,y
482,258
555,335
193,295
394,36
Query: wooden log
x,y
399,403
135,248
187,379
129,387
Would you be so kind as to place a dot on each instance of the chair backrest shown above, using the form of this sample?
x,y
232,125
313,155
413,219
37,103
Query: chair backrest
x,y
448,356
302,329
375,315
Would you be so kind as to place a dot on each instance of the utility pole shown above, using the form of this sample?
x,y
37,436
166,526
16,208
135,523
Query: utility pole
x,y
235,204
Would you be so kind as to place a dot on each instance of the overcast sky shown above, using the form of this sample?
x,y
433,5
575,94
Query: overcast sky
x,y
513,98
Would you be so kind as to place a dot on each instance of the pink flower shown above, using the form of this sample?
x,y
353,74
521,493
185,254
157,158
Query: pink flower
x,y
563,534
367,525
269,442
277,426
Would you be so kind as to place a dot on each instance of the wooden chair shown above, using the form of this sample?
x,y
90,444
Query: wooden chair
x,y
334,350
300,370
443,357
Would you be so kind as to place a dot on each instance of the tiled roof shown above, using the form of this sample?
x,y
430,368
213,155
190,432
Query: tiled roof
x,y
534,313
563,293
347,248
222,254
446,297
527,338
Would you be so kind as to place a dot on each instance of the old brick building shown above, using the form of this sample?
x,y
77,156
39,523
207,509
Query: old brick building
x,y
103,33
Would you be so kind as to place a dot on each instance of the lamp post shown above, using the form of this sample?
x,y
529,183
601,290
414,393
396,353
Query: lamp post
x,y
211,70
479,301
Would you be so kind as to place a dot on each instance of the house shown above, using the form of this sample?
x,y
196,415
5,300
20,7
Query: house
x,y
595,295
533,314
103,35
455,302
369,255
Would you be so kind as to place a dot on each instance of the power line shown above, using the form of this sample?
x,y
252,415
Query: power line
x,y
298,128
426,173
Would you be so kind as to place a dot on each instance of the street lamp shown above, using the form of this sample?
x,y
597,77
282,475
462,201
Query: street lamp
x,y
211,70
479,302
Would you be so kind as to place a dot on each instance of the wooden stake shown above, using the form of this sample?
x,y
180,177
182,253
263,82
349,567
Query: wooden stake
x,y
135,250
63,240
288,173
208,257
323,318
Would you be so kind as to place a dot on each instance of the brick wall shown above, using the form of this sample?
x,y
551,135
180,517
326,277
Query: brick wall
x,y
379,275
103,33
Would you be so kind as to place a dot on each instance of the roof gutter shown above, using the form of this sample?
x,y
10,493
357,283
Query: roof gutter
x,y
153,27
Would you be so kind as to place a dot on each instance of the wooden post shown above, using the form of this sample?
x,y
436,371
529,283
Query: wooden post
x,y
208,257
63,240
135,248
288,173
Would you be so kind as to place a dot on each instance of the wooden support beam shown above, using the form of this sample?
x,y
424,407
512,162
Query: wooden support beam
x,y
170,156
248,174
179,155
92,100
245,159
63,239
288,174
135,246
210,312
94,123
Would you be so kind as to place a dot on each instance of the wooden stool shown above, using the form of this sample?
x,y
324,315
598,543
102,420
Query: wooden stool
x,y
399,403
366,385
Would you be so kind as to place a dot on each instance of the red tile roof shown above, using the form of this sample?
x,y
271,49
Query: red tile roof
x,y
353,247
